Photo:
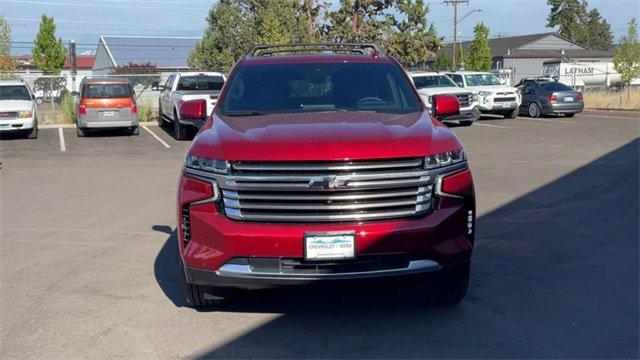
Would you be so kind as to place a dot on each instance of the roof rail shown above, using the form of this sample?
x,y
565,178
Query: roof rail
x,y
267,50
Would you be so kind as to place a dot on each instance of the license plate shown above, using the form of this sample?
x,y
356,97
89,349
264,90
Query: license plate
x,y
568,99
329,246
108,113
508,105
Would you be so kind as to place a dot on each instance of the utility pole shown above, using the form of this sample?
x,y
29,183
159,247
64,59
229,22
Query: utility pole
x,y
455,26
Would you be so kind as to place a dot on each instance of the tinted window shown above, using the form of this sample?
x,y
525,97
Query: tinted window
x,y
554,86
482,79
200,82
286,88
427,81
14,92
106,91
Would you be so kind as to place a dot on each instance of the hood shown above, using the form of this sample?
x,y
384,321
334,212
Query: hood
x,y
444,90
494,88
322,136
16,105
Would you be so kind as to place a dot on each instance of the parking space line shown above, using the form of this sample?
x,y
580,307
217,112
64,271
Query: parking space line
x,y
156,136
548,120
490,125
63,146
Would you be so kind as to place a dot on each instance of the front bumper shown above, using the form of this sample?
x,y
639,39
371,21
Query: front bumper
x,y
472,114
562,108
17,124
489,105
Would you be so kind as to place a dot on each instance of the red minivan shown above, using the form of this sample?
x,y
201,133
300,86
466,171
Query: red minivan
x,y
320,163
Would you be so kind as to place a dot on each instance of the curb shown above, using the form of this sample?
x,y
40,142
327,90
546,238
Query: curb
x,y
612,109
73,126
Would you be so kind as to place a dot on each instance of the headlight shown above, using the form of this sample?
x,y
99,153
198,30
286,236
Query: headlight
x,y
445,159
485,93
474,97
206,164
25,114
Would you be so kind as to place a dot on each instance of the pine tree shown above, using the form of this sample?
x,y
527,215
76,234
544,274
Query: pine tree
x,y
411,40
627,58
48,52
576,23
479,57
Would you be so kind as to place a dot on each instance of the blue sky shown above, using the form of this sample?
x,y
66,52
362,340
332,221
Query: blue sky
x,y
86,20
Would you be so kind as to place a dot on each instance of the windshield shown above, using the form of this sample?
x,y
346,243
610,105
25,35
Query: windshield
x,y
431,81
482,79
107,91
335,86
200,82
14,92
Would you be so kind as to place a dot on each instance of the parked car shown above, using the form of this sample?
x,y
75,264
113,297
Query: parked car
x,y
493,96
18,112
106,103
431,83
323,166
549,98
181,87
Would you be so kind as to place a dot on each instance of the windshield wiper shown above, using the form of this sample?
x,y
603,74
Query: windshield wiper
x,y
244,113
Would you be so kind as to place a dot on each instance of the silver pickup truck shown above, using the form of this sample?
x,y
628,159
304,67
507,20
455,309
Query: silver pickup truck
x,y
184,86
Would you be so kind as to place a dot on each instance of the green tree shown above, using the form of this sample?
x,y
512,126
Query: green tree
x,y
226,38
627,57
479,56
48,52
411,40
443,62
359,21
575,22
8,67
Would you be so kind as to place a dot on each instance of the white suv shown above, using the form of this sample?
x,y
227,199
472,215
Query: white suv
x,y
431,83
494,97
18,111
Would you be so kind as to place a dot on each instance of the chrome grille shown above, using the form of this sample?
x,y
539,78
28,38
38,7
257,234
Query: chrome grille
x,y
326,191
464,99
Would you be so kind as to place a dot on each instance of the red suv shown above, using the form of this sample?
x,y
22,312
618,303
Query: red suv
x,y
321,163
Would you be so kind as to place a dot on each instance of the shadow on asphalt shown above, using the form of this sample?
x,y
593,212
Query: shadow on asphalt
x,y
555,274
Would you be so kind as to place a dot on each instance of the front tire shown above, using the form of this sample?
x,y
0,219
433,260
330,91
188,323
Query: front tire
x,y
452,286
33,133
466,122
195,295
534,110
570,114
179,130
511,114
160,116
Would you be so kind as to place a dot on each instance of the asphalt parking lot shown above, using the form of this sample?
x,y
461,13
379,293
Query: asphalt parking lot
x,y
88,259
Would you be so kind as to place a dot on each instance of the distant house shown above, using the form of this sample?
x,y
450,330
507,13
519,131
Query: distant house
x,y
169,54
28,71
523,56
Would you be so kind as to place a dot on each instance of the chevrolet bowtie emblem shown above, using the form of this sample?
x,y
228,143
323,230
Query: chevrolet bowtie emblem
x,y
327,182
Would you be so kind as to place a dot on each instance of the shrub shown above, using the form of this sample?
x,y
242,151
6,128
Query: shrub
x,y
146,111
67,110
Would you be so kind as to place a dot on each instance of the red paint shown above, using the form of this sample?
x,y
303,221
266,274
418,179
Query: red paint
x,y
440,235
193,109
445,105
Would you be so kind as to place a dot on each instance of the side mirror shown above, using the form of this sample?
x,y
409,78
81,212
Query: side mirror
x,y
33,96
194,110
459,83
445,105
503,81
155,86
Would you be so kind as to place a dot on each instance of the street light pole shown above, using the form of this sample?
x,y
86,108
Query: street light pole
x,y
455,24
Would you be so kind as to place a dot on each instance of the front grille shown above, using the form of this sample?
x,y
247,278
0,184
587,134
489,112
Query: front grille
x,y
464,99
503,99
9,115
363,263
326,191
